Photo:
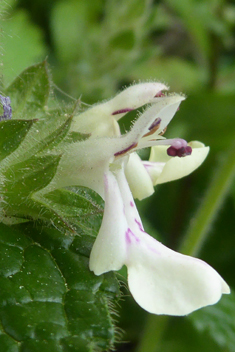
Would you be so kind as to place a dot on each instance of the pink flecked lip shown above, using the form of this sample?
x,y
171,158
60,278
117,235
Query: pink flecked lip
x,y
140,225
129,235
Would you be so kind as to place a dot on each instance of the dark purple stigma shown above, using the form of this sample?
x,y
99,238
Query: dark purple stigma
x,y
122,111
180,152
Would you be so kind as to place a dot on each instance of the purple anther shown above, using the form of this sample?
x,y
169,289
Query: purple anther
x,y
155,123
122,111
7,110
171,151
159,95
154,127
180,152
184,151
126,150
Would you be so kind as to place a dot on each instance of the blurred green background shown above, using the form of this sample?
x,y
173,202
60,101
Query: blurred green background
x,y
96,47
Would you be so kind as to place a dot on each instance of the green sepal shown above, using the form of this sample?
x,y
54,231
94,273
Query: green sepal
x,y
29,92
54,128
77,205
36,153
12,133
27,177
21,182
57,136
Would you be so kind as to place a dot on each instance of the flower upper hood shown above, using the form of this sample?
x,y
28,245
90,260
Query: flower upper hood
x,y
101,119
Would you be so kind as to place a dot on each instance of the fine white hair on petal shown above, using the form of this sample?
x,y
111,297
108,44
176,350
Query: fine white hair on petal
x,y
96,121
101,119
136,95
166,282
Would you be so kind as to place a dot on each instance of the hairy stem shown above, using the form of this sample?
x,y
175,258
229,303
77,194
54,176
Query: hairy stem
x,y
212,202
154,328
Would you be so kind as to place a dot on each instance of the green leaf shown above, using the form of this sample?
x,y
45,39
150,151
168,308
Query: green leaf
x,y
12,133
8,344
29,92
49,299
218,321
78,205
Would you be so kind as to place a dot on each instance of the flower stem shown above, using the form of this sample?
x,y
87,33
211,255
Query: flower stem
x,y
212,202
154,328
194,239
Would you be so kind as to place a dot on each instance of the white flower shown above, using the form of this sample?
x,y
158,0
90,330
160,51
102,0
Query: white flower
x,y
161,281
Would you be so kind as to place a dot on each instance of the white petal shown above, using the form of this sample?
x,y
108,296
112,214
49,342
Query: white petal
x,y
135,96
96,121
109,250
165,109
131,212
175,167
138,178
165,282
